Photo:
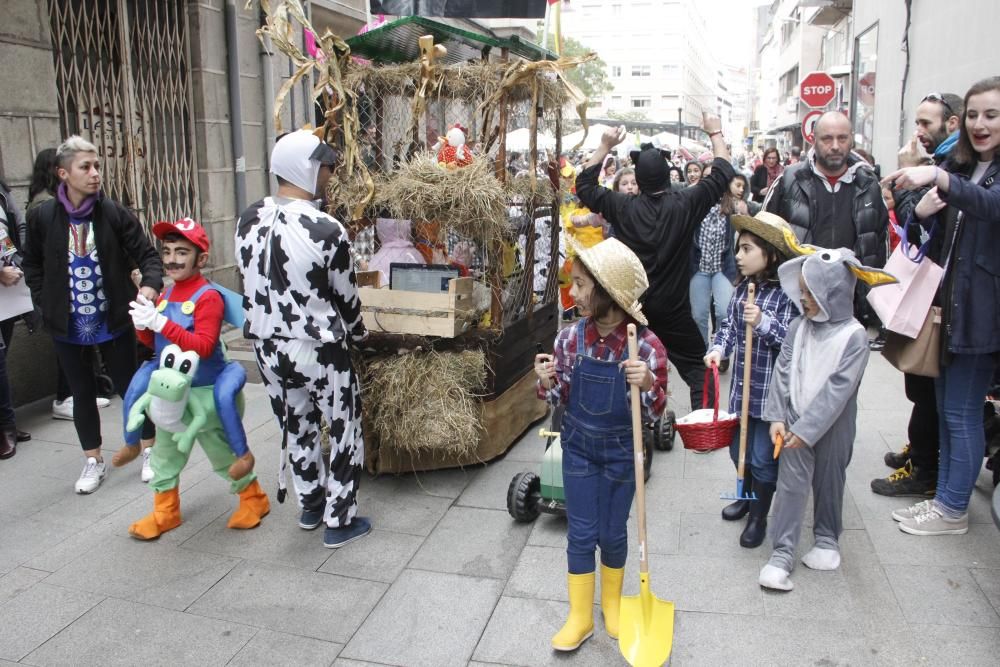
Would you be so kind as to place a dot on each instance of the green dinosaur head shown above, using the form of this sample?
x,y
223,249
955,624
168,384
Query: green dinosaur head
x,y
173,378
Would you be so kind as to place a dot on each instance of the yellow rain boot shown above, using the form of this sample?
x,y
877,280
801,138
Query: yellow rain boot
x,y
580,624
166,516
611,596
254,506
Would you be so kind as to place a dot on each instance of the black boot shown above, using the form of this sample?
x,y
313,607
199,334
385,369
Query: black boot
x,y
753,535
8,443
737,510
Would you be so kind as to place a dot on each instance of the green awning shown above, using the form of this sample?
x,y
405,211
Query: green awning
x,y
396,42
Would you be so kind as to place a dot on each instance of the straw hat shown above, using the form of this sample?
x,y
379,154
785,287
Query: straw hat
x,y
768,226
618,271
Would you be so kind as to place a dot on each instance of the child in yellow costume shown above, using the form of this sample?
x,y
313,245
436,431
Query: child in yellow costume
x,y
580,224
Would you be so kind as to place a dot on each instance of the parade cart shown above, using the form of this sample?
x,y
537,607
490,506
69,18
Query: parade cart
x,y
447,374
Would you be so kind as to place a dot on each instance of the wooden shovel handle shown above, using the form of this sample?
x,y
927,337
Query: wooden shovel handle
x,y
640,485
745,408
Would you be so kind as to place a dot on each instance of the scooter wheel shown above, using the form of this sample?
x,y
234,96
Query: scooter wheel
x,y
523,496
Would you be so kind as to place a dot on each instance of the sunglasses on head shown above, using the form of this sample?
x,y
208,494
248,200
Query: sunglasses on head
x,y
937,97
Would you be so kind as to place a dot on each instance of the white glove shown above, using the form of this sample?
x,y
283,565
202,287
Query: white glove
x,y
145,315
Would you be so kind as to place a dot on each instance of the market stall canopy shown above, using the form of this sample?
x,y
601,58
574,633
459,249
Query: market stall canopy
x,y
396,42
520,140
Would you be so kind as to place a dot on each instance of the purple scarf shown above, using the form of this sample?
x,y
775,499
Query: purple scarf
x,y
83,211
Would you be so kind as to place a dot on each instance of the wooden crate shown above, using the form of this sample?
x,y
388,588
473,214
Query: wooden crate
x,y
445,314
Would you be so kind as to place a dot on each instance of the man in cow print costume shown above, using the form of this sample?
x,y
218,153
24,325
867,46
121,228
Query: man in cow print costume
x,y
302,308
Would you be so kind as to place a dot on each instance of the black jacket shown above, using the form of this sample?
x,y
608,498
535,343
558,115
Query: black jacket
x,y
660,230
15,224
793,197
970,294
758,184
120,242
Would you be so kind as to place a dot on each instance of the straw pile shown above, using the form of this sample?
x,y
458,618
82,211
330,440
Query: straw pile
x,y
426,401
469,200
468,81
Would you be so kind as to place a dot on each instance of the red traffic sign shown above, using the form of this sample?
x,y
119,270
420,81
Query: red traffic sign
x,y
808,124
817,90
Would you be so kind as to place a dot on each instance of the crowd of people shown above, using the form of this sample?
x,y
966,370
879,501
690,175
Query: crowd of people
x,y
783,257
793,299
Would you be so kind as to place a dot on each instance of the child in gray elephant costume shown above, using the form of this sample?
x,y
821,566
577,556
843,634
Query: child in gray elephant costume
x,y
812,405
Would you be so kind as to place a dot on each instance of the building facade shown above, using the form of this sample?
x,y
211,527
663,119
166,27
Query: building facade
x,y
658,63
163,88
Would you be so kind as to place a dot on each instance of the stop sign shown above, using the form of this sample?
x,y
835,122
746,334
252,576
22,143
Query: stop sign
x,y
816,90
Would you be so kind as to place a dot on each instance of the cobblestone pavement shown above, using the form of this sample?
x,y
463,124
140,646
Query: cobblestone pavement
x,y
447,578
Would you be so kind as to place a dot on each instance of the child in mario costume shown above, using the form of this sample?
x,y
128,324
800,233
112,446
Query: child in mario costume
x,y
189,315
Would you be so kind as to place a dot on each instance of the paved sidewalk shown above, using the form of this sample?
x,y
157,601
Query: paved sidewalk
x,y
447,578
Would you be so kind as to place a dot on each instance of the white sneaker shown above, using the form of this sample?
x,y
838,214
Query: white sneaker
x,y
64,409
913,510
93,474
147,470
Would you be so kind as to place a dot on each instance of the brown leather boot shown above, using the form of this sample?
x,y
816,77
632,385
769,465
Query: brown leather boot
x,y
166,515
8,443
254,506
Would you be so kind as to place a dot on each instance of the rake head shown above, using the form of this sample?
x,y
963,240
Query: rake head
x,y
740,494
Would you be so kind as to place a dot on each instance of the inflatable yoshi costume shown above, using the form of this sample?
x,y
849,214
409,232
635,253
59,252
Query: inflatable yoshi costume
x,y
196,393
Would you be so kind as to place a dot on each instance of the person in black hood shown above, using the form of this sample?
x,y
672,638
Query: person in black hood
x,y
659,225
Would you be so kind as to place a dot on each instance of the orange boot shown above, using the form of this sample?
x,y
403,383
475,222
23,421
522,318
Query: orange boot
x,y
254,506
166,516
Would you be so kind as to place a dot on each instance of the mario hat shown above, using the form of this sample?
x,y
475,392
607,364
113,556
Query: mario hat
x,y
187,228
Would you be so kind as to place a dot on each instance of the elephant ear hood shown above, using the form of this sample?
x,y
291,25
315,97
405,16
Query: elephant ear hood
x,y
828,276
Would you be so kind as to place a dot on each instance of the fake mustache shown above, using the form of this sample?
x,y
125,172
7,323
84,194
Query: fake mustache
x,y
174,266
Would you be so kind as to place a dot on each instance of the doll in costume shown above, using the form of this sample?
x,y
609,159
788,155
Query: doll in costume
x,y
812,404
204,400
579,223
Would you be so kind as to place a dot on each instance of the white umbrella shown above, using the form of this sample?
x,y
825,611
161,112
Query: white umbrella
x,y
593,138
520,140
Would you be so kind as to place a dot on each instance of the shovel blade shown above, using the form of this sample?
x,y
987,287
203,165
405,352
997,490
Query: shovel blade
x,y
645,627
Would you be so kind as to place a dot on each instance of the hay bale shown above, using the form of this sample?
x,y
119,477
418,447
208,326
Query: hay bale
x,y
426,401
469,200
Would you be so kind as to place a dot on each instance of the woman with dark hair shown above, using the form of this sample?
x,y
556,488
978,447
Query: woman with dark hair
x,y
44,180
766,174
692,172
713,267
964,204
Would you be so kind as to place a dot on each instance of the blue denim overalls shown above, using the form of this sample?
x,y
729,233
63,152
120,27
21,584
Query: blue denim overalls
x,y
182,314
598,470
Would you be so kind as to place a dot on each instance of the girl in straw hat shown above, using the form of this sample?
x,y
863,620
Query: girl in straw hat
x,y
590,374
760,249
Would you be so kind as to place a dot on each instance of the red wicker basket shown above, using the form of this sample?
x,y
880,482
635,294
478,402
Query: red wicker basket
x,y
708,436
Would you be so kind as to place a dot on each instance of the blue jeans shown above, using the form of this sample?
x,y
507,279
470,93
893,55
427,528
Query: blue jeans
x,y
760,452
704,288
960,391
599,480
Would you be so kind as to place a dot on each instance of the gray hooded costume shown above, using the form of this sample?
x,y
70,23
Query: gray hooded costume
x,y
813,391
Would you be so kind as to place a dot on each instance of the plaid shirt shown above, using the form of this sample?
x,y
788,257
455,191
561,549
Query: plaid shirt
x,y
777,312
712,240
610,348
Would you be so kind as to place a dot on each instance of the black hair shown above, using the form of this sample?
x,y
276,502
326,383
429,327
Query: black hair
x,y
174,237
774,258
43,174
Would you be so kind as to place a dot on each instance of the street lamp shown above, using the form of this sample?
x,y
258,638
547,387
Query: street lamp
x,y
679,126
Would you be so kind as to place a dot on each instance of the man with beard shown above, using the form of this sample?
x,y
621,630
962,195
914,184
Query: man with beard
x,y
916,466
832,199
